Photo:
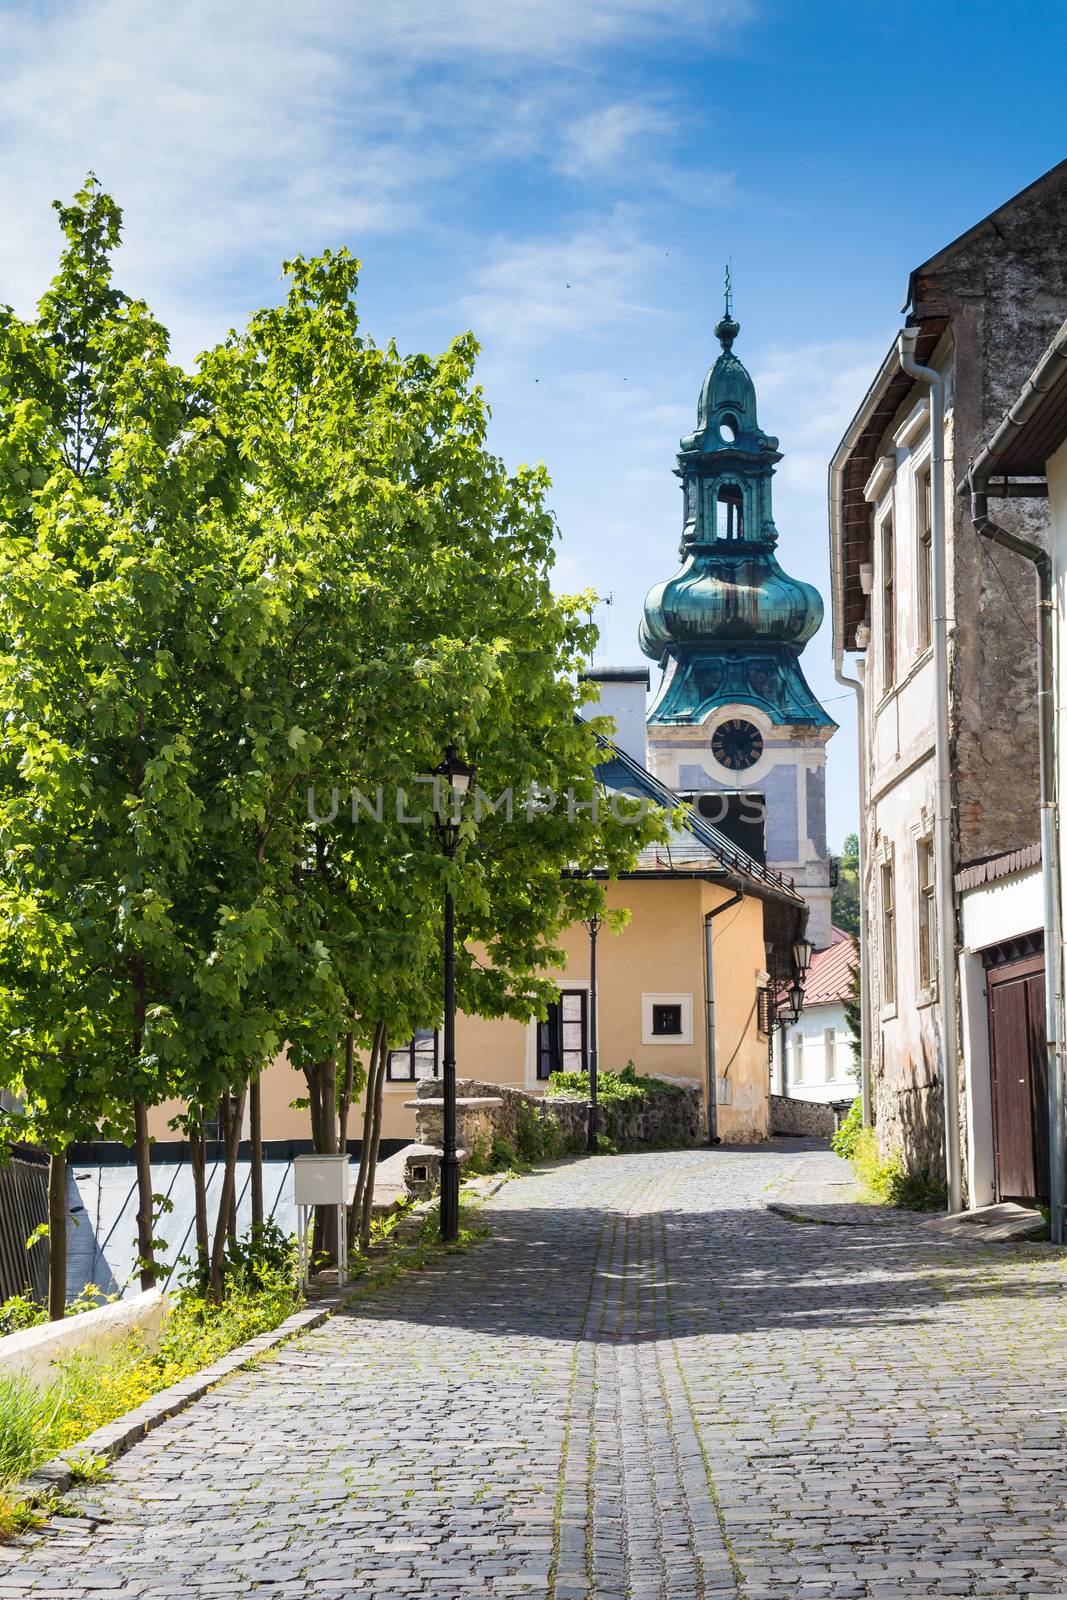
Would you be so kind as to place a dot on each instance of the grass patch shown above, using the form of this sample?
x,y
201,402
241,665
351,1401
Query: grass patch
x,y
92,1388
413,1246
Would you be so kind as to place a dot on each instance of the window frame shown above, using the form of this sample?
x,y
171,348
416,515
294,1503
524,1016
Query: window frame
x,y
887,600
924,557
887,914
548,1037
926,917
410,1051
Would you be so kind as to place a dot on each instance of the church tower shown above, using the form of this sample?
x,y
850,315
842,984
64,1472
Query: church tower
x,y
734,714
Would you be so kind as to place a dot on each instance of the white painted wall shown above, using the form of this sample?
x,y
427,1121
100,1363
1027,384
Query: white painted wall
x,y
32,1351
822,1068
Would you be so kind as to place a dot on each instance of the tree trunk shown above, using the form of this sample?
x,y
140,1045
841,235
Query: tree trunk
x,y
255,1109
355,1214
145,1204
372,1151
226,1198
326,1221
57,1234
347,1084
197,1161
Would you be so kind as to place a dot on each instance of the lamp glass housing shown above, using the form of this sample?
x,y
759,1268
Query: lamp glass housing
x,y
802,954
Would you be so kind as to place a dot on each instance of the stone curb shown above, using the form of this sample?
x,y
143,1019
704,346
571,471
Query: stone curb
x,y
115,1438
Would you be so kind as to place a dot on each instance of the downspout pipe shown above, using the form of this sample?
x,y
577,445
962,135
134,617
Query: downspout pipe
x,y
709,1000
978,480
946,903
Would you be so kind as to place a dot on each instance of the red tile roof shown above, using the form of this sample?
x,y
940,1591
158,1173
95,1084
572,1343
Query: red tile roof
x,y
830,974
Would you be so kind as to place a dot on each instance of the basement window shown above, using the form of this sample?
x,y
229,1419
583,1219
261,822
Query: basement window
x,y
667,1020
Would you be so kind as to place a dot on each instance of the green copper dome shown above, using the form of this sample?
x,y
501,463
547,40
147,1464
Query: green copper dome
x,y
730,625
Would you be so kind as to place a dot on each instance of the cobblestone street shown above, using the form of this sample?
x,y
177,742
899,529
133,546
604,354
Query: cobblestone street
x,y
645,1383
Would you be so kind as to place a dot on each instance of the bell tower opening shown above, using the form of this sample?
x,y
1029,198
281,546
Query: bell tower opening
x,y
730,512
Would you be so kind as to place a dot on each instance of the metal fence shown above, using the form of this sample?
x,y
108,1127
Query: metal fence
x,y
23,1207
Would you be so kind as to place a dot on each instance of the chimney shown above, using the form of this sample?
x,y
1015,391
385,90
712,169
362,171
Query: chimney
x,y
623,696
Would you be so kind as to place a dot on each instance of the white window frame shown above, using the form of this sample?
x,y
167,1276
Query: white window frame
x,y
925,910
685,1001
889,969
922,479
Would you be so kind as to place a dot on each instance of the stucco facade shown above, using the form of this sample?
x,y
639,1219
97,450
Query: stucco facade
x,y
984,308
660,955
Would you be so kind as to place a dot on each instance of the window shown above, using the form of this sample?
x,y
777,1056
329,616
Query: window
x,y
562,1039
889,936
889,607
927,919
924,556
798,1057
419,1058
829,1048
729,513
666,1019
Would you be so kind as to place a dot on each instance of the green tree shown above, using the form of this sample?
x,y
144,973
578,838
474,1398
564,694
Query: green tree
x,y
102,446
845,906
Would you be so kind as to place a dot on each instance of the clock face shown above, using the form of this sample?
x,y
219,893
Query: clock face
x,y
736,744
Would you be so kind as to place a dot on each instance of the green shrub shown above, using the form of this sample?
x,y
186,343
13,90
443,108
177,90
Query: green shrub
x,y
888,1181
539,1136
21,1311
844,1140
617,1093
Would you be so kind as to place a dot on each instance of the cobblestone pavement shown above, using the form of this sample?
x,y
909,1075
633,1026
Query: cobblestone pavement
x,y
645,1384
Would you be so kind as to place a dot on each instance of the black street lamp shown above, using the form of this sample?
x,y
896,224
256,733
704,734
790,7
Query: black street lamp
x,y
593,923
456,776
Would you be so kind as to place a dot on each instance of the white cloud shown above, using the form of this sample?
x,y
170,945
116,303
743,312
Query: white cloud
x,y
233,135
581,282
601,140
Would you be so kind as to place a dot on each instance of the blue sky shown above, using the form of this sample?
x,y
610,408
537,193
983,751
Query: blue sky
x,y
566,179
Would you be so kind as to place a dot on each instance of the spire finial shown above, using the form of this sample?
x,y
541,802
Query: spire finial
x,y
727,330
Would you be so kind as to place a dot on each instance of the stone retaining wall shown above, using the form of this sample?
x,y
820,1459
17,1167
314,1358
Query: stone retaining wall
x,y
812,1119
668,1120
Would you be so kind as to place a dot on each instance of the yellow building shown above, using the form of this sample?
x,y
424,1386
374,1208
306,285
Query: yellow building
x,y
707,924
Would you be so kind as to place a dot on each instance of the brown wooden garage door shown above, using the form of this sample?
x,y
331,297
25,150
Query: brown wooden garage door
x,y
1019,1066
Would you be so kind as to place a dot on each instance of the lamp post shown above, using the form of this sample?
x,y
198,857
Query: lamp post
x,y
593,923
457,776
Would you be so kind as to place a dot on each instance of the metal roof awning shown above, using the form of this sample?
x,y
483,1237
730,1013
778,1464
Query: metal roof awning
x,y
1034,428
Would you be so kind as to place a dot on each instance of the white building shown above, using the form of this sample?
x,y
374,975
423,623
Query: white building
x,y
980,312
815,1058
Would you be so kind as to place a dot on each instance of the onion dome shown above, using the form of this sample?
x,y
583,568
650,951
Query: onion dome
x,y
730,596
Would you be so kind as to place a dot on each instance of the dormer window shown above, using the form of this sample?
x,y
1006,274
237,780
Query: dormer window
x,y
729,512
728,430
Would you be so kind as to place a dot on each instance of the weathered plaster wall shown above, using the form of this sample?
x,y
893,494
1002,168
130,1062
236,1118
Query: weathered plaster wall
x,y
1006,293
